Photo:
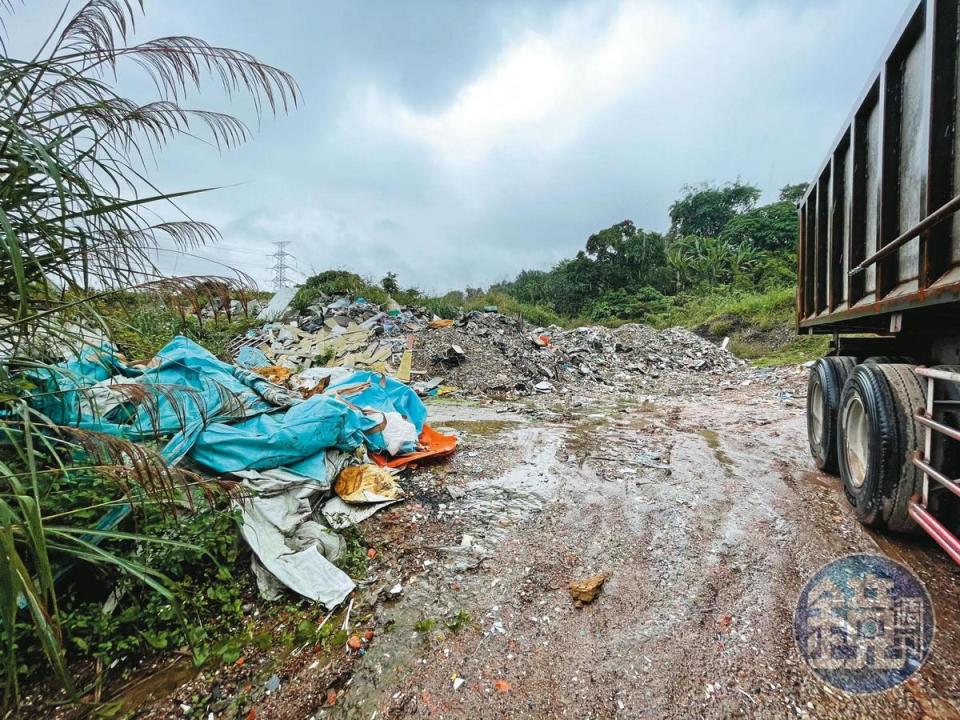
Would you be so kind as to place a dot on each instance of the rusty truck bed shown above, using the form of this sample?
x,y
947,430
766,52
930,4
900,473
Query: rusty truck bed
x,y
879,230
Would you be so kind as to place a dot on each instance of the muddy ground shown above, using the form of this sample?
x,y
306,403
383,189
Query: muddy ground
x,y
702,505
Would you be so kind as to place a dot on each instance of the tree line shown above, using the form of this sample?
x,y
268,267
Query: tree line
x,y
718,237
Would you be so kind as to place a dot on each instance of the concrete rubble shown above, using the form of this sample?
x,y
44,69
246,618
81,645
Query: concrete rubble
x,y
482,353
505,357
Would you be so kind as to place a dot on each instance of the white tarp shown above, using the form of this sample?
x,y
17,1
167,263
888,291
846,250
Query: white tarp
x,y
340,515
292,546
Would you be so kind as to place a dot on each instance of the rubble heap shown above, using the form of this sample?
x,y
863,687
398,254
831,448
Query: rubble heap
x,y
488,353
483,353
336,332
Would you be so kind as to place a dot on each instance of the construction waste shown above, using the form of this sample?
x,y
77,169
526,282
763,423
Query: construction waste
x,y
318,411
492,354
310,462
345,333
479,353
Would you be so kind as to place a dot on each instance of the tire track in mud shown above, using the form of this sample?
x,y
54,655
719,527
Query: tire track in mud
x,y
707,557
819,527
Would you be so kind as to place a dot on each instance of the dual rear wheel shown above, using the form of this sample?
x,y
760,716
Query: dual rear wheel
x,y
860,422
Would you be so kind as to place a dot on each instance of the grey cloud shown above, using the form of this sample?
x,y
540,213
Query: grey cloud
x,y
378,171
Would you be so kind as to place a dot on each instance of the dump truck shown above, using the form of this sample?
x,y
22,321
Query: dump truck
x,y
879,271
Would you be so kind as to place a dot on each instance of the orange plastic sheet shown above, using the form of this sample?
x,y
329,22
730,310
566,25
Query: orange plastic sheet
x,y
436,445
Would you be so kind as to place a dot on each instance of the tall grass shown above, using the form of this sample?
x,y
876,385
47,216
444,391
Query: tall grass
x,y
79,220
760,324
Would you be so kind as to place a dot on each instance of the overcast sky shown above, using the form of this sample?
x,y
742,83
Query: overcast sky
x,y
458,142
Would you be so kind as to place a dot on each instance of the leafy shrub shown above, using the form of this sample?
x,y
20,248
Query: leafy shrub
x,y
140,326
623,305
208,600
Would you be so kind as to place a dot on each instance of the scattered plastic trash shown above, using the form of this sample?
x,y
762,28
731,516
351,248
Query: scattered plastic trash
x,y
435,445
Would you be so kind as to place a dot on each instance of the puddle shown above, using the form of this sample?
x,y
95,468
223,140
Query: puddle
x,y
497,504
485,428
448,413
713,442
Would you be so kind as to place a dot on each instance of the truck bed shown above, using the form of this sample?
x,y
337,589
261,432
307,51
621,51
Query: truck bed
x,y
879,231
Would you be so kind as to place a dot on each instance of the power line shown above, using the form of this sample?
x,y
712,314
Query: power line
x,y
219,246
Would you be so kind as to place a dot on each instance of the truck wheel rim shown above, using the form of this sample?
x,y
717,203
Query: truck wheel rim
x,y
857,440
816,412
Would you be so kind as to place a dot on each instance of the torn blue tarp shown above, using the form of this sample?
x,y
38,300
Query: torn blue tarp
x,y
190,382
378,392
284,439
228,418
391,398
183,388
59,393
351,412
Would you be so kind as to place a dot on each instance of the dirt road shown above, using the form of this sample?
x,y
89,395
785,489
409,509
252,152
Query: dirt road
x,y
704,510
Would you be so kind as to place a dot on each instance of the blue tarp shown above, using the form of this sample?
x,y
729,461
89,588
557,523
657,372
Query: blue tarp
x,y
374,391
385,394
228,418
282,439
57,394
251,357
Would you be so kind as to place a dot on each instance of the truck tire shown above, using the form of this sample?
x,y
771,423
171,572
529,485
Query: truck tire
x,y
827,377
889,359
877,434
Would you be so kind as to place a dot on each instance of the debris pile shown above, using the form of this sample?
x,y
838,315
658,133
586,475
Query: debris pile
x,y
492,354
480,353
311,462
340,333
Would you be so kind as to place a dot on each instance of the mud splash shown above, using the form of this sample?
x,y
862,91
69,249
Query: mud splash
x,y
156,685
